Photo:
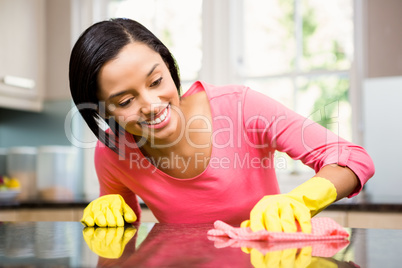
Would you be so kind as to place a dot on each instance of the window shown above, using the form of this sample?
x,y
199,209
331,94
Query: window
x,y
300,52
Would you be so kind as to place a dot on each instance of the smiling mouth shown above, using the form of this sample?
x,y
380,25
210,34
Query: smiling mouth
x,y
160,118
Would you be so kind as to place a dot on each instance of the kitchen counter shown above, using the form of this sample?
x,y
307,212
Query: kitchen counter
x,y
361,211
34,204
62,244
368,203
361,202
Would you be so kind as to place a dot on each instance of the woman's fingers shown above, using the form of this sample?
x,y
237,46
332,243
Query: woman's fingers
x,y
108,211
279,213
128,213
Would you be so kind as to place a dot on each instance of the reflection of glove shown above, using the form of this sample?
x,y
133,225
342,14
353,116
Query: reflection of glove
x,y
108,210
292,257
108,242
278,213
317,262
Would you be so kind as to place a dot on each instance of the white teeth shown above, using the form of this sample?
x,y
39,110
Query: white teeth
x,y
160,119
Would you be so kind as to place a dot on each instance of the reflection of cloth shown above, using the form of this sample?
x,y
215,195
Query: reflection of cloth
x,y
326,239
248,128
322,248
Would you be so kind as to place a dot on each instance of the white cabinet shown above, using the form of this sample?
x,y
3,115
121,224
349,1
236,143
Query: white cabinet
x,y
59,40
22,54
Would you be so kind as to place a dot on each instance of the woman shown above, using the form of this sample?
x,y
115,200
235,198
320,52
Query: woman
x,y
203,156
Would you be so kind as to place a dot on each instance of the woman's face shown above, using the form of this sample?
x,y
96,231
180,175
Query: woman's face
x,y
138,91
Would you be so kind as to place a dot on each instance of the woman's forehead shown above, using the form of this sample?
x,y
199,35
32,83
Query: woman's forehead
x,y
134,63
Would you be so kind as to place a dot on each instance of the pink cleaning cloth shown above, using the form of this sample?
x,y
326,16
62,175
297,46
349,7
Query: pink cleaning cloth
x,y
321,229
326,239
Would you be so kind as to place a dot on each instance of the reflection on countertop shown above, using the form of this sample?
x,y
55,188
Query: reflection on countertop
x,y
63,244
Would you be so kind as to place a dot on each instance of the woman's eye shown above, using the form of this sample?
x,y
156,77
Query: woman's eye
x,y
156,82
125,103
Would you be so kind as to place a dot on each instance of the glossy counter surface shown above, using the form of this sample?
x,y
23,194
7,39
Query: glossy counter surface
x,y
360,202
62,244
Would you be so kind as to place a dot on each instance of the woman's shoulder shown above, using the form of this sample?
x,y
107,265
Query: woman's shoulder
x,y
103,152
215,91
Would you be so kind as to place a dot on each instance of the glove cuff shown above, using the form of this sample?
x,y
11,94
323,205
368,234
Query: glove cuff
x,y
316,193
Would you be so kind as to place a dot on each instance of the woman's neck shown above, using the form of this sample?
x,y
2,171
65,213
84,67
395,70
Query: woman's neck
x,y
188,153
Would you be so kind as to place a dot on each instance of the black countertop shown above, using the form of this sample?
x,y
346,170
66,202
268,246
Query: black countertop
x,y
367,203
360,202
62,244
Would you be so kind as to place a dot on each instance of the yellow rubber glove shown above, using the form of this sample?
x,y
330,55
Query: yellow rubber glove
x,y
108,242
280,212
108,210
282,258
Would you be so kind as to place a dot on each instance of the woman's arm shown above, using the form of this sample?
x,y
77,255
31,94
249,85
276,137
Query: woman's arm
x,y
110,175
342,167
347,165
343,178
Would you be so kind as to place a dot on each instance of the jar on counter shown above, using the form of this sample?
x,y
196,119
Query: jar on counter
x,y
57,172
21,164
3,157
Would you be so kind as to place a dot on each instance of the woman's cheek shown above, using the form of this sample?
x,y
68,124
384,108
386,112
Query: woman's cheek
x,y
130,121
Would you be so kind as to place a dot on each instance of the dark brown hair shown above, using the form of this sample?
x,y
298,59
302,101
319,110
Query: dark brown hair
x,y
97,45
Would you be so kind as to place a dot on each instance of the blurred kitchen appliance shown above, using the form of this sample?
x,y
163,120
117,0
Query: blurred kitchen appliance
x,y
58,173
21,164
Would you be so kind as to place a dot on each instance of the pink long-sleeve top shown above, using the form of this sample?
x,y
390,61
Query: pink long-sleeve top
x,y
248,127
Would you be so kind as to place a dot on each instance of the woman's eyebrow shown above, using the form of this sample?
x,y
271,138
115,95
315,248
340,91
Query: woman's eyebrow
x,y
152,69
117,94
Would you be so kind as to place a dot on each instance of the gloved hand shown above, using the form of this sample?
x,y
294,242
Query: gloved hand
x,y
108,242
280,212
108,210
292,257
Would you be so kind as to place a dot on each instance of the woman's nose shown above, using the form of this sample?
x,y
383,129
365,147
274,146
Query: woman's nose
x,y
150,104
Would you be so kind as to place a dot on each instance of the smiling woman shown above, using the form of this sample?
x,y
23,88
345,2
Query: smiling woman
x,y
205,155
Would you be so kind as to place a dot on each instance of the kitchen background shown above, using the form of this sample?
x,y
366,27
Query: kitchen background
x,y
338,62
